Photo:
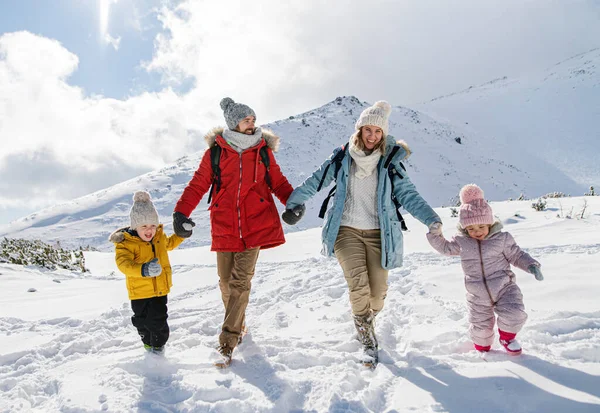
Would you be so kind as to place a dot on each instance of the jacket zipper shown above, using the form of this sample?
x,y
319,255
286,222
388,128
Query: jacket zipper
x,y
238,199
154,278
483,273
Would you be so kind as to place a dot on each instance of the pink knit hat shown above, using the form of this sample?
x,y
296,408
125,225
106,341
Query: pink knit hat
x,y
474,209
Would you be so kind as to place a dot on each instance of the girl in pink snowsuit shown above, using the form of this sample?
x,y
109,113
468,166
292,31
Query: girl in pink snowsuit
x,y
486,255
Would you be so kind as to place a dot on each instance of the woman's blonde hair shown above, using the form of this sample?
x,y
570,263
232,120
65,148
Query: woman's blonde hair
x,y
357,141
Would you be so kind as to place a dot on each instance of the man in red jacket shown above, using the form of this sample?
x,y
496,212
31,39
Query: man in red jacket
x,y
243,214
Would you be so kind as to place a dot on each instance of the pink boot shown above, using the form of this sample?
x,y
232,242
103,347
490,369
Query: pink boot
x,y
510,343
482,349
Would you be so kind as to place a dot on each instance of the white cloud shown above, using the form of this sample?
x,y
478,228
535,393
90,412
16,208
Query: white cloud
x,y
284,57
115,42
58,144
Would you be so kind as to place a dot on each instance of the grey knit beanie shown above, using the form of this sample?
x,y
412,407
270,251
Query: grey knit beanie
x,y
235,112
376,115
143,211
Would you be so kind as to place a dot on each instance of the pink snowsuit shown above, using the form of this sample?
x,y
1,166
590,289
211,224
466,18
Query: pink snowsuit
x,y
490,283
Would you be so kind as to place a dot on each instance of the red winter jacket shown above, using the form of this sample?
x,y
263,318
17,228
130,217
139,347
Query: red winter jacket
x,y
243,213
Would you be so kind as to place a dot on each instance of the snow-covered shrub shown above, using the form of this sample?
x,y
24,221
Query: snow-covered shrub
x,y
38,253
554,195
453,212
539,205
591,192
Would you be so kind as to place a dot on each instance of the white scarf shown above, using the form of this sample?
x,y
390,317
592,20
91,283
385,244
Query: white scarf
x,y
365,164
240,141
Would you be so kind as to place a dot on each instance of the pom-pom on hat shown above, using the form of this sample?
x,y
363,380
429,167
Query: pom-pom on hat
x,y
143,211
376,115
474,209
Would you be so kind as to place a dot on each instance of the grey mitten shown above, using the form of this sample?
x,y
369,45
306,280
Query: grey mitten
x,y
535,270
151,268
436,228
292,216
182,225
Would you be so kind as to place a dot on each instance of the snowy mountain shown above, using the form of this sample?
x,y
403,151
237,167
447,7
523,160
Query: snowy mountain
x,y
553,115
70,346
445,157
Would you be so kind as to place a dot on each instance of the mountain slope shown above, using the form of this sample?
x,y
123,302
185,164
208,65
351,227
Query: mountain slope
x,y
439,166
554,115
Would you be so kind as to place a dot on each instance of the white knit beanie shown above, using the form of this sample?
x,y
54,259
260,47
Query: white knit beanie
x,y
143,211
376,115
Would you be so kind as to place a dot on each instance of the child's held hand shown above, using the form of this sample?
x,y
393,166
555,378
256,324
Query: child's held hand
x,y
535,270
436,228
151,268
182,225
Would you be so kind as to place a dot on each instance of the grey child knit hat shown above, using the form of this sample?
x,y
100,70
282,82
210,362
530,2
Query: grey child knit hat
x,y
235,112
376,115
143,211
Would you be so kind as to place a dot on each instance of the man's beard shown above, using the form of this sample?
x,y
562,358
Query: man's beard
x,y
248,131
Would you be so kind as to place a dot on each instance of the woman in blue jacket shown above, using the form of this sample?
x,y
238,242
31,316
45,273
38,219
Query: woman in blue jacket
x,y
363,228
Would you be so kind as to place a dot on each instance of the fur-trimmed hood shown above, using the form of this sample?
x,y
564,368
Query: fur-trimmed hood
x,y
118,235
270,138
390,141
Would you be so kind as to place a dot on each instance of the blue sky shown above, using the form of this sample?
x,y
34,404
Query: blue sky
x,y
85,105
76,24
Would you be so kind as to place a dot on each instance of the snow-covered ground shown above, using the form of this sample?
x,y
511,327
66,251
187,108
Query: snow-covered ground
x,y
70,346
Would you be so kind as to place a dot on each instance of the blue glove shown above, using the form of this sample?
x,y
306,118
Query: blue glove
x,y
535,270
151,268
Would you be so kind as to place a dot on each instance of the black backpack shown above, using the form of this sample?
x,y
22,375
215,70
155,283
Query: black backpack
x,y
215,158
392,171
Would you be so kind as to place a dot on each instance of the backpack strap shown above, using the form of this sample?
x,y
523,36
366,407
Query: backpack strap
x,y
392,172
337,161
215,158
326,202
389,158
267,162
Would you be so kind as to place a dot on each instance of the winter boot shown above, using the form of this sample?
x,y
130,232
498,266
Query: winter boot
x,y
482,349
510,343
225,353
366,336
155,350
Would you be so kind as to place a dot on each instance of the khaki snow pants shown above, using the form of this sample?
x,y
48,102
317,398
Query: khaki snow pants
x,y
236,270
359,254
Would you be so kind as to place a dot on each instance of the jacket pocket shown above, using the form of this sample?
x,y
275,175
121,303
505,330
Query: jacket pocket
x,y
260,211
222,214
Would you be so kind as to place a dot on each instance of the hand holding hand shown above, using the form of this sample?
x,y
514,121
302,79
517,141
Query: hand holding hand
x,y
182,225
435,228
294,215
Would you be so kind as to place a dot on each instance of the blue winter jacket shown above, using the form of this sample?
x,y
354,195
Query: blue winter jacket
x,y
391,232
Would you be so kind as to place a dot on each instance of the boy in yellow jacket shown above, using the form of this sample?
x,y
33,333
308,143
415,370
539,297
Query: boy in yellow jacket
x,y
141,254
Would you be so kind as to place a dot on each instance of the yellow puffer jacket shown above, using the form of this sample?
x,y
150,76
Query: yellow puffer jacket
x,y
131,252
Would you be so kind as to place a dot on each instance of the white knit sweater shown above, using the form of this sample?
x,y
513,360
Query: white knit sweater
x,y
360,206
